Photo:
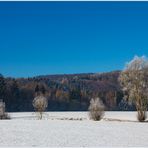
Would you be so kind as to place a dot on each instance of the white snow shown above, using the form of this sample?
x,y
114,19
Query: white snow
x,y
73,129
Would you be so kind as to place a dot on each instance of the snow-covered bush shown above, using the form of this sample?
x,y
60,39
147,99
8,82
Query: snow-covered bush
x,y
96,109
3,114
40,103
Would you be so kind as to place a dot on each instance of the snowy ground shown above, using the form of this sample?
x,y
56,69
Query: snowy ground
x,y
62,129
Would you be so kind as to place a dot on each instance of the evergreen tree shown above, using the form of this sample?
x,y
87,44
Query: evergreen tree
x,y
42,89
37,90
2,87
15,102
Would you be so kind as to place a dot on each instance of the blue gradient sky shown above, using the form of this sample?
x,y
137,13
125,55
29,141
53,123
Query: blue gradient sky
x,y
39,38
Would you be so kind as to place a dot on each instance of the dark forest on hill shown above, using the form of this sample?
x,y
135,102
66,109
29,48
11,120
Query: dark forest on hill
x,y
67,92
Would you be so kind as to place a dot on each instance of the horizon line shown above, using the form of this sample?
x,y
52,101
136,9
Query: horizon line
x,y
57,74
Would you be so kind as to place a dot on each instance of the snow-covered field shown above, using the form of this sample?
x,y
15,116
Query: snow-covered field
x,y
62,129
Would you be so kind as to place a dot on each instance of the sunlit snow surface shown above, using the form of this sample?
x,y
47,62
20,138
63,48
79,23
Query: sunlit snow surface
x,y
73,129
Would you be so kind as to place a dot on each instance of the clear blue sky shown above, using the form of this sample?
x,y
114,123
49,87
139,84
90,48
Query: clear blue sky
x,y
39,38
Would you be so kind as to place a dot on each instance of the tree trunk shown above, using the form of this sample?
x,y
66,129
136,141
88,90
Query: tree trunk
x,y
141,110
141,115
41,116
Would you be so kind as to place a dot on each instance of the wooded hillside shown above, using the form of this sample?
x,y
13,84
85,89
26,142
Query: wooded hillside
x,y
70,92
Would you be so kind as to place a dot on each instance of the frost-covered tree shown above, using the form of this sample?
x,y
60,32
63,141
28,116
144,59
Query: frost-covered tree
x,y
3,114
134,80
40,103
96,109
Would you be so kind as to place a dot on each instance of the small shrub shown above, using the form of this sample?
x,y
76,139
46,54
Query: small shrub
x,y
40,103
96,109
5,116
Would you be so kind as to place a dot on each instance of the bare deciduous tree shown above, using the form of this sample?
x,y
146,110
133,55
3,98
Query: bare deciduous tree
x,y
40,103
134,80
96,109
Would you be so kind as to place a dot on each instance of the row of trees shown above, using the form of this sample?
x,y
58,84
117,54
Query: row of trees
x,y
133,79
